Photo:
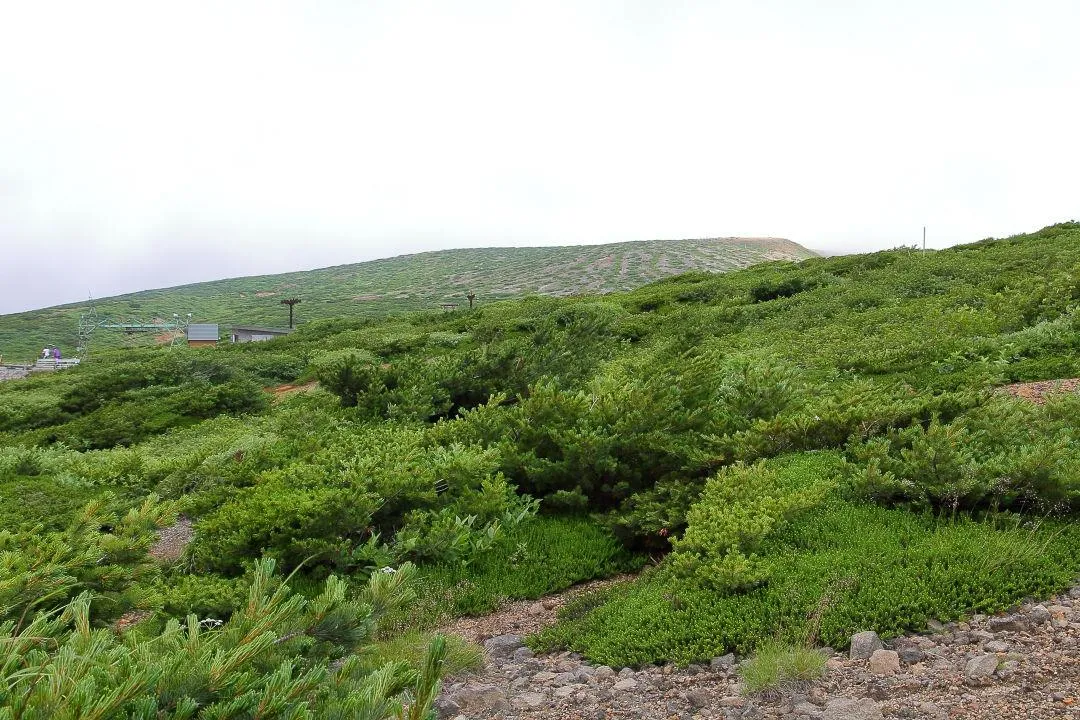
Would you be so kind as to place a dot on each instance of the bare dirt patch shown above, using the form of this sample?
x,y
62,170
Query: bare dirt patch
x,y
167,337
289,388
130,619
1039,392
172,541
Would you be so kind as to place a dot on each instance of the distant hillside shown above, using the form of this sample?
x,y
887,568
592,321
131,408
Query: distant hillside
x,y
407,282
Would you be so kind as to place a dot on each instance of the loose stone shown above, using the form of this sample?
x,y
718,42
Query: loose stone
x,y
884,662
864,644
980,667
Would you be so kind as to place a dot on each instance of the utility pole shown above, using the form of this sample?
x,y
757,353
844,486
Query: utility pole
x,y
923,237
290,302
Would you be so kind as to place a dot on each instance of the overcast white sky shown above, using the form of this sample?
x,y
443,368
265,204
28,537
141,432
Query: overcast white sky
x,y
147,144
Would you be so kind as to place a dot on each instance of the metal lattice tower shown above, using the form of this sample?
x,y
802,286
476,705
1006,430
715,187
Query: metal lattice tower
x,y
91,320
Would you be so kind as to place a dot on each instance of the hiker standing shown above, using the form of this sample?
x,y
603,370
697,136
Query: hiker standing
x,y
56,353
45,353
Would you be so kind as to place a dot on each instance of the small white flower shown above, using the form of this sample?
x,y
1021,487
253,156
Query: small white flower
x,y
388,571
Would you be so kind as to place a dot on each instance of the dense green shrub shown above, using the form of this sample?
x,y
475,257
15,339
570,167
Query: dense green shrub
x,y
647,519
406,389
424,502
1004,455
99,552
282,655
144,412
783,288
203,595
348,373
739,509
43,502
628,428
124,402
274,368
29,406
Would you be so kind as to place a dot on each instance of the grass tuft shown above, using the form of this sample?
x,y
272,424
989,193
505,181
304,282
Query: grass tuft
x,y
412,647
778,667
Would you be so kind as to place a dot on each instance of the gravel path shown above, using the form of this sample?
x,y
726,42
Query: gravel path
x,y
1023,665
522,617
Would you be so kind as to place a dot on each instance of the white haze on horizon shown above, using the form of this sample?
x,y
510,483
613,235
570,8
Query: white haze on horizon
x,y
150,144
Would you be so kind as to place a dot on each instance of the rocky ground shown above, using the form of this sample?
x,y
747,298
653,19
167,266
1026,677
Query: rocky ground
x,y
12,373
1022,665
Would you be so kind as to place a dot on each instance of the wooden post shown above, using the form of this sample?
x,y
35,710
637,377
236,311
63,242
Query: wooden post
x,y
290,302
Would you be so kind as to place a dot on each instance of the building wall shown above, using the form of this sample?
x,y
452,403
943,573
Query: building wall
x,y
243,336
202,343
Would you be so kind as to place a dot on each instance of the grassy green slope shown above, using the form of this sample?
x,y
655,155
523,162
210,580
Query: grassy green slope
x,y
407,282
816,448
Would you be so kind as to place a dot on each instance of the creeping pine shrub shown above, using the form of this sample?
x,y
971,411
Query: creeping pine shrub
x,y
639,435
99,552
21,461
204,595
739,508
272,368
26,406
289,515
123,402
46,502
648,518
843,411
630,425
786,286
405,389
424,502
444,536
281,655
347,373
1003,455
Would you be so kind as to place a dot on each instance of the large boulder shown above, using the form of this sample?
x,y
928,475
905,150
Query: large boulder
x,y
1040,615
725,662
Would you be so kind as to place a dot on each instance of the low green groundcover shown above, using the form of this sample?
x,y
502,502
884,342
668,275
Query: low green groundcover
x,y
839,569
